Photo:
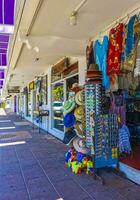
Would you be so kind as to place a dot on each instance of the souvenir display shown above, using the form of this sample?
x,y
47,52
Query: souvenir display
x,y
104,114
90,109
74,118
78,162
106,140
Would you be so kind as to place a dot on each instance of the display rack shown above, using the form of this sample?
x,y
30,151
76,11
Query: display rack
x,y
101,130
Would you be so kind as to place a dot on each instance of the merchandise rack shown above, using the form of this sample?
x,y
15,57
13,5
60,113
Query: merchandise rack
x,y
101,131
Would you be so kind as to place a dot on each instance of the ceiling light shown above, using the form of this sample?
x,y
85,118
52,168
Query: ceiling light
x,y
73,18
36,49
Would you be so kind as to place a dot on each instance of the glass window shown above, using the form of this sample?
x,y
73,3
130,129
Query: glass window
x,y
57,105
70,82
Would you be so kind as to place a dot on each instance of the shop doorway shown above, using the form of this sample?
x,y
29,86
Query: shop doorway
x,y
133,116
60,91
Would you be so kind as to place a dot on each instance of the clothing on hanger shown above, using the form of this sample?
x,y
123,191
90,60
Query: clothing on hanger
x,y
90,54
115,49
100,50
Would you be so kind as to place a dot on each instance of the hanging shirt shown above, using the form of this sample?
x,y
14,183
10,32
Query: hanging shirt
x,y
132,37
100,59
118,107
115,49
89,54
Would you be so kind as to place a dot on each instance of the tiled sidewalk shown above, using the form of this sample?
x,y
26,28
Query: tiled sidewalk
x,y
35,170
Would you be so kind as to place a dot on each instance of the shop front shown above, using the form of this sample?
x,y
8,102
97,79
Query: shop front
x,y
63,76
111,95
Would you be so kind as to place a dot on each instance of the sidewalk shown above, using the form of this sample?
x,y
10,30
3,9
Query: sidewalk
x,y
32,168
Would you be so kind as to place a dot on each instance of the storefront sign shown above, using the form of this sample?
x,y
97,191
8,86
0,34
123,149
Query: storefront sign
x,y
13,91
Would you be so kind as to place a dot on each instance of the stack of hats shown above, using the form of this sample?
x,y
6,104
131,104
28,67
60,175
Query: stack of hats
x,y
93,76
73,119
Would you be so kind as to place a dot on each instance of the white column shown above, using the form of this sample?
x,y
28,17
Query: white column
x,y
32,104
82,69
25,106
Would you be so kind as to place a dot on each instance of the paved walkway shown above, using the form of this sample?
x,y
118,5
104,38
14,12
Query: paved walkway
x,y
32,168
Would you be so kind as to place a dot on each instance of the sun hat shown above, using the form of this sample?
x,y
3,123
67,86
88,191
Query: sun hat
x,y
69,105
79,113
79,98
79,145
93,75
75,87
79,129
69,120
69,137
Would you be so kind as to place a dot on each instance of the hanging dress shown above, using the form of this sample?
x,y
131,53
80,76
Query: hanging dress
x,y
100,59
115,49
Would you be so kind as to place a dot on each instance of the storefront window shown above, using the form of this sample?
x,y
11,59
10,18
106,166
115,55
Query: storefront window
x,y
70,82
57,105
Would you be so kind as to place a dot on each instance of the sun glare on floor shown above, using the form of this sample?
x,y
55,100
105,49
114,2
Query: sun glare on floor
x,y
60,199
12,143
10,127
1,121
2,112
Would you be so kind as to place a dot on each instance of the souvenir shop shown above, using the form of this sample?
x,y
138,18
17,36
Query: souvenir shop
x,y
102,117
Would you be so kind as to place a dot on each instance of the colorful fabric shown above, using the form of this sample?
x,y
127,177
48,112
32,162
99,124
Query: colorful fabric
x,y
118,107
69,120
124,143
115,49
100,59
89,54
131,39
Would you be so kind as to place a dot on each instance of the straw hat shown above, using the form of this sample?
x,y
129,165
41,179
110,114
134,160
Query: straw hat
x,y
93,74
79,113
69,106
79,145
79,98
75,87
79,129
69,120
69,137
